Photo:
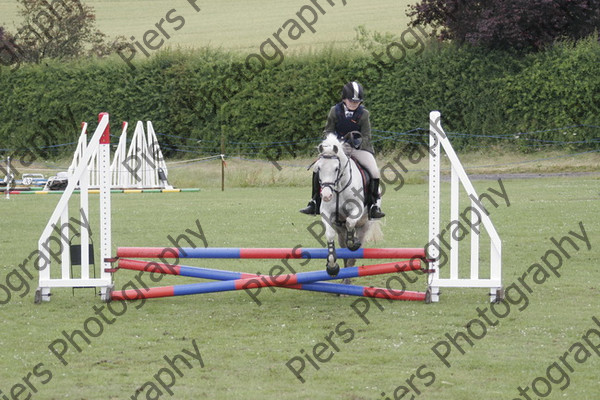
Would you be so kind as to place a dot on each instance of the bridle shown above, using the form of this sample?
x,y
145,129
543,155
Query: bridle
x,y
334,184
340,175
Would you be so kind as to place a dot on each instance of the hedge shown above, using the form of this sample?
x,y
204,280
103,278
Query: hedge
x,y
195,97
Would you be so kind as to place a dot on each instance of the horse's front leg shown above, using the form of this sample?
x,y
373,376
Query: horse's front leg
x,y
332,267
352,241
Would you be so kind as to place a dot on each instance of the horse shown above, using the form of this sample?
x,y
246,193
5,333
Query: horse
x,y
342,200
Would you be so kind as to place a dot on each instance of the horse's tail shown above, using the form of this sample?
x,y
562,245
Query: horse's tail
x,y
373,233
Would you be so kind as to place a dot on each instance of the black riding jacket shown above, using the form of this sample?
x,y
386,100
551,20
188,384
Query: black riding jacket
x,y
340,124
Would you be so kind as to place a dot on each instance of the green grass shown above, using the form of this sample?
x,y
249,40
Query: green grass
x,y
245,347
241,173
239,25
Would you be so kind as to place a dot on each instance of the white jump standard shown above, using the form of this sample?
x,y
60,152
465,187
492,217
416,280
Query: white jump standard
x,y
438,141
141,166
99,147
57,231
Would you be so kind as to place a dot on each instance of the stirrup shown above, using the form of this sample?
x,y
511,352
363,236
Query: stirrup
x,y
310,209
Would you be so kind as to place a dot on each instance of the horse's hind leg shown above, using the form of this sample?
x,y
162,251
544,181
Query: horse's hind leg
x,y
348,263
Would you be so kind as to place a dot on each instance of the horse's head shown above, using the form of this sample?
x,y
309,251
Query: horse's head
x,y
332,160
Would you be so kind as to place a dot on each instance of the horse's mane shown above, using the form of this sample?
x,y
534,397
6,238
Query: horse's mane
x,y
327,146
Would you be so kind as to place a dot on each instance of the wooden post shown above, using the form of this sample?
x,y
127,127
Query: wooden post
x,y
222,159
9,177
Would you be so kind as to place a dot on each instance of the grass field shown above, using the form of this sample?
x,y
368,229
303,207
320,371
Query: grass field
x,y
244,172
244,347
240,25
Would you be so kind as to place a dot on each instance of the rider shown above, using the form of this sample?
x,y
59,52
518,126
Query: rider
x,y
344,117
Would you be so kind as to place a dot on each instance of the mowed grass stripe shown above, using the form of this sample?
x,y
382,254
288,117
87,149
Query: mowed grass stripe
x,y
239,25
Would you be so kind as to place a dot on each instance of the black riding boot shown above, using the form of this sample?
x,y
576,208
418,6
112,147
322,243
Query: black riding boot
x,y
374,210
315,203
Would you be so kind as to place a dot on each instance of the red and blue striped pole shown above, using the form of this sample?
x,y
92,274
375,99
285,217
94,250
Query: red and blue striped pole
x,y
267,253
255,282
222,275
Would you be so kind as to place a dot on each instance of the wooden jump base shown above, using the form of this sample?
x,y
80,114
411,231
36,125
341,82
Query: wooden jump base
x,y
97,191
21,189
241,281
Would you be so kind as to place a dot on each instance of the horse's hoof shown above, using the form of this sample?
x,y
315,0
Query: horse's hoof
x,y
333,271
355,245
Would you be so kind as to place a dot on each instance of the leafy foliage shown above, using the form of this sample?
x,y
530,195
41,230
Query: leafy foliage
x,y
4,35
196,97
508,24
60,30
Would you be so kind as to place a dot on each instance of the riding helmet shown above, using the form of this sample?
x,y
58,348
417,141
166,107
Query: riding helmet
x,y
353,91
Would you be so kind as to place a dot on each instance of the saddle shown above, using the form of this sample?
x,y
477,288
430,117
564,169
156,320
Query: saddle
x,y
366,179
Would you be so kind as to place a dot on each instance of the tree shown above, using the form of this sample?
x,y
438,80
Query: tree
x,y
62,29
3,35
7,48
508,24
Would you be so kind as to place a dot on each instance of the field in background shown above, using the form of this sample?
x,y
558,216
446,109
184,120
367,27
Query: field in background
x,y
260,173
240,25
243,172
